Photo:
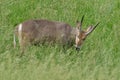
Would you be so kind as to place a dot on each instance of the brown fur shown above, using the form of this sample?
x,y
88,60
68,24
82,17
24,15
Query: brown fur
x,y
40,31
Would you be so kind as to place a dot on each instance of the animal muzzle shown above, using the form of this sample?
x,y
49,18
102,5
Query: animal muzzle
x,y
77,48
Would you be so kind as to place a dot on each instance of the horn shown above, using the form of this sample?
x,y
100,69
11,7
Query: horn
x,y
95,26
81,22
82,19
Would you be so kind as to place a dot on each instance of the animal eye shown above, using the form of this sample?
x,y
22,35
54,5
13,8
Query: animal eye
x,y
83,39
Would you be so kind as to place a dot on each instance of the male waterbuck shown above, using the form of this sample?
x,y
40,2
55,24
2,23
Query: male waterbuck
x,y
39,31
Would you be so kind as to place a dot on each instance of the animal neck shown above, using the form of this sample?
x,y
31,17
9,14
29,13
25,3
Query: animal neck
x,y
73,33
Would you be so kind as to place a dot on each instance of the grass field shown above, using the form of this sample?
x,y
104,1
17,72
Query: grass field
x,y
99,58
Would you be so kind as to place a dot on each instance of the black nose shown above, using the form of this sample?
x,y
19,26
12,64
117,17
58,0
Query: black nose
x,y
77,48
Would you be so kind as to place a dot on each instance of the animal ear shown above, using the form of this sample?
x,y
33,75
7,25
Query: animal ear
x,y
90,29
77,21
77,24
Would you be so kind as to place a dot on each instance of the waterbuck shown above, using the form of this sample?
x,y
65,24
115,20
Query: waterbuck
x,y
39,31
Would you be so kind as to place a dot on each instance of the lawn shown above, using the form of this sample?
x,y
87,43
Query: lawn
x,y
98,59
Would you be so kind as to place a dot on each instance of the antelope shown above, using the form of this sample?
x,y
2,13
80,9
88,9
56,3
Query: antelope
x,y
39,31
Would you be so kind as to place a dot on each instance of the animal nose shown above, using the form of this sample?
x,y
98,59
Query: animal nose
x,y
77,48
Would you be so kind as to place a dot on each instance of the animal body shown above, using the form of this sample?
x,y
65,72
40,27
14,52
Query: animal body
x,y
40,31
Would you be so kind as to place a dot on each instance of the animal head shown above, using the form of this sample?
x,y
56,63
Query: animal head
x,y
81,35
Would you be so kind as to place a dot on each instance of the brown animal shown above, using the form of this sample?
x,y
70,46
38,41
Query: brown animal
x,y
39,31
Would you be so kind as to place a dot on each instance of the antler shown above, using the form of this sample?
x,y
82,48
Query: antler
x,y
91,28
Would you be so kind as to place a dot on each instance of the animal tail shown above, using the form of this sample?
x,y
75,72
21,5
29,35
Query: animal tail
x,y
18,30
20,33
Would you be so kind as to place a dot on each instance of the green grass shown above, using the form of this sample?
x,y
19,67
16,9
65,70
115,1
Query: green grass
x,y
99,58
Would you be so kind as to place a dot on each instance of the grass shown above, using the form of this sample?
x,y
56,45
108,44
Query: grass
x,y
98,58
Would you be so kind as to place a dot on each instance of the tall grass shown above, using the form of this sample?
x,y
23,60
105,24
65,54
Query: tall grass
x,y
99,55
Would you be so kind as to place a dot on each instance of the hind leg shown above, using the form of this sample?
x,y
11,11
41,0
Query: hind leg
x,y
23,44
